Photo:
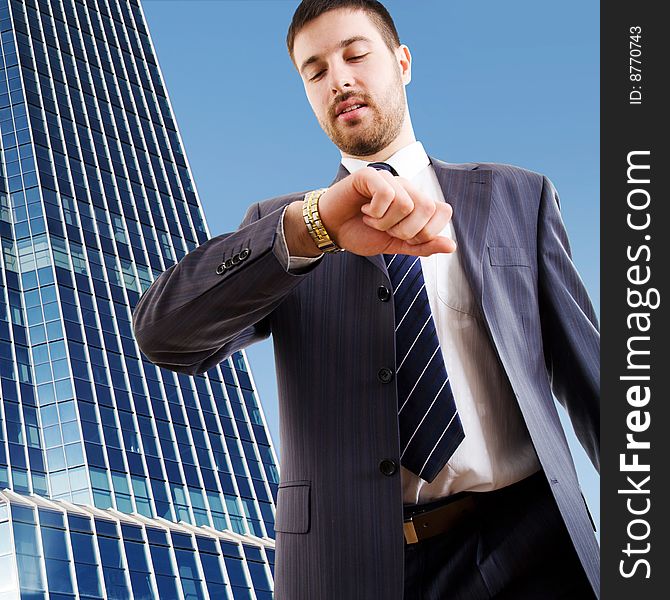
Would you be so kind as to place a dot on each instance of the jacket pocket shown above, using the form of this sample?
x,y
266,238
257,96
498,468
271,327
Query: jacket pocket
x,y
509,256
293,507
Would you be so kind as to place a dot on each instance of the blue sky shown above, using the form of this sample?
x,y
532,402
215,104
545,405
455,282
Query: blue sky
x,y
512,82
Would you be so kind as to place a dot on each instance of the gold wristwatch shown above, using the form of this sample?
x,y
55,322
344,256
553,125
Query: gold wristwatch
x,y
310,212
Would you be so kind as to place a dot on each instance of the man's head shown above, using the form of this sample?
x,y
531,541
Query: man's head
x,y
354,70
311,9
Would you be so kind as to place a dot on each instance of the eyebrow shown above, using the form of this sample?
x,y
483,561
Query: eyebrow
x,y
342,44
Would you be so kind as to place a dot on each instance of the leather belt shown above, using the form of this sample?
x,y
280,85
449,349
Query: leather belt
x,y
423,521
429,522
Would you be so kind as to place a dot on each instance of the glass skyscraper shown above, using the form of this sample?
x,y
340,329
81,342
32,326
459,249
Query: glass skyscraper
x,y
118,479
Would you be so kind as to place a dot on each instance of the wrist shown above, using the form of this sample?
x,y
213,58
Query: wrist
x,y
298,240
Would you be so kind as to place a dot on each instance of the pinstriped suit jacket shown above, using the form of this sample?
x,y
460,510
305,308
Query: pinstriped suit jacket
x,y
339,519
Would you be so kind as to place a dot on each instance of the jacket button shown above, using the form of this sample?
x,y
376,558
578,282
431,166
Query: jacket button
x,y
244,253
228,263
221,268
385,375
383,293
388,467
236,259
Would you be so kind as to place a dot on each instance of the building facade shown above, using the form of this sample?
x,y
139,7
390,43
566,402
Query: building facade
x,y
120,479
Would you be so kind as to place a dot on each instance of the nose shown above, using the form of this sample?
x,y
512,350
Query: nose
x,y
341,79
341,86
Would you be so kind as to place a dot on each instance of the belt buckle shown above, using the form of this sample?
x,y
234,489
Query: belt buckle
x,y
410,532
437,520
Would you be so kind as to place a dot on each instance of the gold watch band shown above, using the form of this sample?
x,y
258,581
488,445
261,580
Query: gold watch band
x,y
310,212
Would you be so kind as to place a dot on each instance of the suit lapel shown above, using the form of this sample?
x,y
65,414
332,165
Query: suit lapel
x,y
341,174
468,189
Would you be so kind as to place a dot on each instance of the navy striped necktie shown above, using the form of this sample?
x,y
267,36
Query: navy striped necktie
x,y
430,428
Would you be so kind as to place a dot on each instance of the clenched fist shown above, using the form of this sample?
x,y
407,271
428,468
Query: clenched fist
x,y
372,212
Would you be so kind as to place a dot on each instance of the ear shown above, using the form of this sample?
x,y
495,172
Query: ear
x,y
404,58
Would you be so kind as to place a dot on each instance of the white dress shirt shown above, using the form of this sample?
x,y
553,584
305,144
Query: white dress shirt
x,y
497,449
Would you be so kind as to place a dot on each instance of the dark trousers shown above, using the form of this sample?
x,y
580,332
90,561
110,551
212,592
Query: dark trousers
x,y
515,547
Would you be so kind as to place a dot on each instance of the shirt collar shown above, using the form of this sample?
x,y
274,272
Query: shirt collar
x,y
408,161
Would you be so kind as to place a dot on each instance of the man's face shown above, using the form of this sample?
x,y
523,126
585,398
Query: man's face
x,y
354,82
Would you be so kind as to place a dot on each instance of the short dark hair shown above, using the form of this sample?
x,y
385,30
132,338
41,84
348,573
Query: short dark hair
x,y
308,10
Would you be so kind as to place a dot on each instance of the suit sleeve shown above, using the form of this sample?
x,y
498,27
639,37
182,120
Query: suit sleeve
x,y
569,327
196,314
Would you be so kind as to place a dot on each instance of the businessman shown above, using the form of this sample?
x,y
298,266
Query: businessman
x,y
422,315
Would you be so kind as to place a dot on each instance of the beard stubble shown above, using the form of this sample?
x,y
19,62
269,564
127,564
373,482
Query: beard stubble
x,y
386,122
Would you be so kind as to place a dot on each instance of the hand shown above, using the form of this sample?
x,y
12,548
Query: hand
x,y
373,212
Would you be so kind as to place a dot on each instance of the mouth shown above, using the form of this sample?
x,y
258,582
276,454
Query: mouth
x,y
354,111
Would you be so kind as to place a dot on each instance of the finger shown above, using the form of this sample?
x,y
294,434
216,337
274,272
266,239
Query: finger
x,y
437,245
435,226
399,209
415,223
423,209
378,186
